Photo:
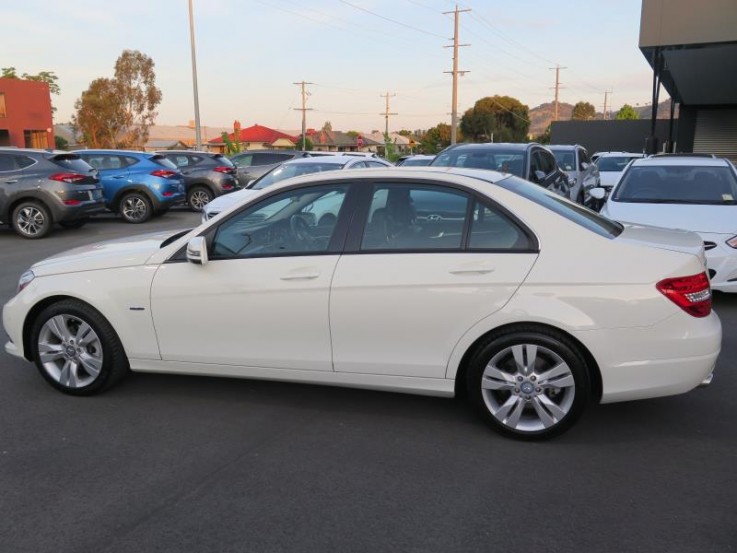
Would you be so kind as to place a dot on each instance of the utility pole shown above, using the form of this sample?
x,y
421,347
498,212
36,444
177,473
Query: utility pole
x,y
557,87
304,109
606,104
454,108
197,130
387,113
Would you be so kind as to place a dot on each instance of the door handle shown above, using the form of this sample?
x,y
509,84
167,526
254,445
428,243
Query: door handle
x,y
13,181
301,274
472,269
119,177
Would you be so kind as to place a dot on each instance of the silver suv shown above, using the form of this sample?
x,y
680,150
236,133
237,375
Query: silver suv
x,y
582,172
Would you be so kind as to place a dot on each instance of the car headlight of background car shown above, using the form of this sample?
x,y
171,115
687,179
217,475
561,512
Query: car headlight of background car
x,y
25,279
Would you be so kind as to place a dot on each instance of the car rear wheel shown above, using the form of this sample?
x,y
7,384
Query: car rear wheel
x,y
31,219
529,384
76,350
135,208
198,197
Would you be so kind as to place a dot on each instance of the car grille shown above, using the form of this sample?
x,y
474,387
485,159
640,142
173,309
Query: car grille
x,y
709,245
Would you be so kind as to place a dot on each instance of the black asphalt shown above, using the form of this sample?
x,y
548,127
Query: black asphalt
x,y
170,463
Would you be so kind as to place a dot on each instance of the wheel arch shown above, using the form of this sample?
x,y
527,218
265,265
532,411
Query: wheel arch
x,y
202,184
591,365
115,203
29,196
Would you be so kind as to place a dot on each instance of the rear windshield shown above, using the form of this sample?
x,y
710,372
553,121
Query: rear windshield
x,y
287,171
412,162
164,162
72,162
222,160
678,184
613,163
573,212
506,161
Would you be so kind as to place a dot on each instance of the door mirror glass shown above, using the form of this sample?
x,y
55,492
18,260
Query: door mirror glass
x,y
597,193
197,250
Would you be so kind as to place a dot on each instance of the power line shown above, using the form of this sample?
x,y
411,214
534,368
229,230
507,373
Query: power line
x,y
390,19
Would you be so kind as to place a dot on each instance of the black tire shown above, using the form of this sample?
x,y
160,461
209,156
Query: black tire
x,y
561,400
31,219
77,223
198,197
112,361
135,208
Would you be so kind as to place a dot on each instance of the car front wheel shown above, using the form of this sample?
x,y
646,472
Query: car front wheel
x,y
76,350
529,384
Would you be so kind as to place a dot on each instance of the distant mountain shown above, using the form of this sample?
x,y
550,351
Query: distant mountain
x,y
663,110
542,115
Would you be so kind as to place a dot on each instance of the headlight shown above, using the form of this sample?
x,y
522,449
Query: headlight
x,y
732,242
25,279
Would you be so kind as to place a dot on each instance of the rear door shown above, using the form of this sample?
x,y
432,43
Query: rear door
x,y
10,182
424,262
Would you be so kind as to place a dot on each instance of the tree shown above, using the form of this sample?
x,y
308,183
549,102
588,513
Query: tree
x,y
501,118
583,111
390,149
61,143
405,132
436,138
308,144
99,115
353,134
543,138
627,112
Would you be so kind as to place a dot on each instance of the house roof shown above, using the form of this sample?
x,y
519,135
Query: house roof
x,y
258,133
332,138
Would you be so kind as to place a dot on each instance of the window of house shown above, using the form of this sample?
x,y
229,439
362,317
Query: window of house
x,y
3,113
36,139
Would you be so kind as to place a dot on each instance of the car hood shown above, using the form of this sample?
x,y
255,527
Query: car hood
x,y
716,219
221,203
609,178
665,239
122,252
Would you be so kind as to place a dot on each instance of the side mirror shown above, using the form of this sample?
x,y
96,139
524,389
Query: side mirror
x,y
539,176
597,193
584,165
197,250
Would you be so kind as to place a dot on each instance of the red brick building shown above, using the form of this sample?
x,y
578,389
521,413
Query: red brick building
x,y
25,114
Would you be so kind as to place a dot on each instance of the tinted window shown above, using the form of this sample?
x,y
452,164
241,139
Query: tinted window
x,y
24,161
374,164
497,159
613,163
219,159
547,161
161,160
72,163
295,222
415,219
105,162
245,160
416,162
287,171
566,160
491,230
565,208
678,184
269,159
179,160
7,162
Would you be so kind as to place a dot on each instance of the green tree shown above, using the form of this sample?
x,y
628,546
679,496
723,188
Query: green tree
x,y
583,111
543,138
405,132
503,118
627,112
308,144
390,149
353,134
61,143
99,116
231,146
435,138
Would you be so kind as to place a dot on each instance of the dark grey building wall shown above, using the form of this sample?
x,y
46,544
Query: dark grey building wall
x,y
610,135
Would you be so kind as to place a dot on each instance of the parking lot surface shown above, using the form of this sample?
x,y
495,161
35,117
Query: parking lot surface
x,y
178,463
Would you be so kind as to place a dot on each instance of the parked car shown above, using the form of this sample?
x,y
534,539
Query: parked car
x,y
692,193
206,175
137,185
289,169
252,164
393,295
39,188
583,174
415,161
611,165
531,162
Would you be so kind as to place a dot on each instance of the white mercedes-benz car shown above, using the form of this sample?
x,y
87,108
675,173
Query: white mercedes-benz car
x,y
429,281
684,192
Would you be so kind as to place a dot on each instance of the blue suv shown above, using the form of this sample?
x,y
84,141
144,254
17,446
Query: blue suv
x,y
137,185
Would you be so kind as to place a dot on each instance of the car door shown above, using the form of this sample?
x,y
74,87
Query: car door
x,y
262,298
112,171
424,262
588,170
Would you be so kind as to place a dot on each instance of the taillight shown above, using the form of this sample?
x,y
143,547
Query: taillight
x,y
70,178
224,169
167,194
72,202
691,293
227,187
163,173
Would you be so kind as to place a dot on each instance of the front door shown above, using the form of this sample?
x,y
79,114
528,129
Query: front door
x,y
262,298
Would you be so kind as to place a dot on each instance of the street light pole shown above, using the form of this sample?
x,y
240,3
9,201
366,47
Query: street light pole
x,y
197,131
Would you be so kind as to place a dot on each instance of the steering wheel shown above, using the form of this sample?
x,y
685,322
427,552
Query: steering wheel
x,y
300,229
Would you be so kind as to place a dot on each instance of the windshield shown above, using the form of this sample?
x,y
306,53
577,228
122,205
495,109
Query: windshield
x,y
576,213
287,171
414,162
678,184
565,160
614,163
506,161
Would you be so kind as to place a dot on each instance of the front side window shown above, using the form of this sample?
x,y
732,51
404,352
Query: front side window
x,y
415,218
298,221
678,184
547,161
566,159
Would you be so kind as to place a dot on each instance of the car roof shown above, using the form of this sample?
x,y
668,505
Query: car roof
x,y
164,152
13,150
335,160
112,151
694,161
563,147
493,146
620,154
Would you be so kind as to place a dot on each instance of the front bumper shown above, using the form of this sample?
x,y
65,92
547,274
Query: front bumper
x,y
721,262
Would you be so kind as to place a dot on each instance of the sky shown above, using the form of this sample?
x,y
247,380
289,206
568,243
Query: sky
x,y
250,52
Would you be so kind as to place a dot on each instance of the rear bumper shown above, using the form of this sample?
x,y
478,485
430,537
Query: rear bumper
x,y
160,203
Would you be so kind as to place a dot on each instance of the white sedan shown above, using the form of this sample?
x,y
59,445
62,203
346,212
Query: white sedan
x,y
430,281
683,192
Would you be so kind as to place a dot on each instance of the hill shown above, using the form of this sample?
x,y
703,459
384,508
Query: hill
x,y
542,115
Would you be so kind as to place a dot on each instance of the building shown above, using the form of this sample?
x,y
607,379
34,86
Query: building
x,y
25,114
692,49
256,137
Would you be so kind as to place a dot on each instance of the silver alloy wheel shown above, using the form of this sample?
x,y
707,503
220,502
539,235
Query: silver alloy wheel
x,y
135,208
528,387
31,220
199,199
70,351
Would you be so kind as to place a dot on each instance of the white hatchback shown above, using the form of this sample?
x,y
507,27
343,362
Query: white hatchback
x,y
429,281
684,192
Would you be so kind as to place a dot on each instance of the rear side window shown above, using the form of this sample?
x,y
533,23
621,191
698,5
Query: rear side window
x,y
24,161
219,159
161,160
573,212
243,160
72,163
492,230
